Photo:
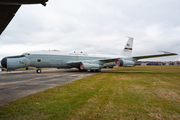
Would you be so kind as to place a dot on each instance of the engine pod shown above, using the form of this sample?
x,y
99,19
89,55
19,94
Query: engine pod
x,y
88,66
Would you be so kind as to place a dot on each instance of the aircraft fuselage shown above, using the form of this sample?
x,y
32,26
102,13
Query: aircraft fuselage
x,y
48,61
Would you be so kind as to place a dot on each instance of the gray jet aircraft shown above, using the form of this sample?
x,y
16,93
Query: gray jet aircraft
x,y
51,59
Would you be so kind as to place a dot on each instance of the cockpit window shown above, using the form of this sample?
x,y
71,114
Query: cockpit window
x,y
26,54
16,56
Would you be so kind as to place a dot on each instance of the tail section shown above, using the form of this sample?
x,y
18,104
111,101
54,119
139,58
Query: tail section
x,y
127,51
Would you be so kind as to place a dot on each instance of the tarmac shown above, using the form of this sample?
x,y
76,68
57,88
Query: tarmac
x,y
16,84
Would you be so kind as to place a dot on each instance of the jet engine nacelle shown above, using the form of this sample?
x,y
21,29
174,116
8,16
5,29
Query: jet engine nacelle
x,y
88,66
125,63
109,64
20,2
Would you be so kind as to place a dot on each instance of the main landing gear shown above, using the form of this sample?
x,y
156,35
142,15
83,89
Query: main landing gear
x,y
99,70
82,70
38,70
96,70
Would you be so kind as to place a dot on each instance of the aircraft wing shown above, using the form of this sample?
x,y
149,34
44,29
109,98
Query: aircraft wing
x,y
77,63
152,56
109,60
7,12
101,60
74,63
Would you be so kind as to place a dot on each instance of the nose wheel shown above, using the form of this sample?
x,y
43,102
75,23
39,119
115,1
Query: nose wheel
x,y
38,70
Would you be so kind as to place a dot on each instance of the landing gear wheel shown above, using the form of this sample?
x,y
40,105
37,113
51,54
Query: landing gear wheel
x,y
38,70
92,70
80,69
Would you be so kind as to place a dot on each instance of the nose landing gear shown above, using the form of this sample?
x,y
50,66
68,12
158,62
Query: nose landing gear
x,y
38,70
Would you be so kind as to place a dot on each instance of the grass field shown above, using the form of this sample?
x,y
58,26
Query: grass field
x,y
136,93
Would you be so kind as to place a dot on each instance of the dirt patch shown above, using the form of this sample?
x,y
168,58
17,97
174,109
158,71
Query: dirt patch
x,y
167,94
156,116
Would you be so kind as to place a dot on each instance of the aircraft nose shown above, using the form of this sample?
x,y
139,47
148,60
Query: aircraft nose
x,y
4,62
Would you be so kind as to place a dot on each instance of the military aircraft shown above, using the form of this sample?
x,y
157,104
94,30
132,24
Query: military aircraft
x,y
8,8
51,59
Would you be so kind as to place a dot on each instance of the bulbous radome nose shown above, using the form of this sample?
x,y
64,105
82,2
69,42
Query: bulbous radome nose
x,y
4,62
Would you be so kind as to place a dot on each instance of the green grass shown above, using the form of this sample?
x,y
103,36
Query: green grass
x,y
143,93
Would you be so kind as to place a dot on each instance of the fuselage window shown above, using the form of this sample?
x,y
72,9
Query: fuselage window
x,y
38,60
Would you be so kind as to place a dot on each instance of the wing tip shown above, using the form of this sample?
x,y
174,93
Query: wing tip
x,y
166,52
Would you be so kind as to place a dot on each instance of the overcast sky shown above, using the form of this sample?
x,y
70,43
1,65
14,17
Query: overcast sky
x,y
95,26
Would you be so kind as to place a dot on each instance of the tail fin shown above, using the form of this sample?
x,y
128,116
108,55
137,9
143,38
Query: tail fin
x,y
127,51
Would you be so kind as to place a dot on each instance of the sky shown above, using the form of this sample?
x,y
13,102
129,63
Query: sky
x,y
95,26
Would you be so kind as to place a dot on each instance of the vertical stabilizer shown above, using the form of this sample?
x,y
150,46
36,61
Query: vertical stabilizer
x,y
127,51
